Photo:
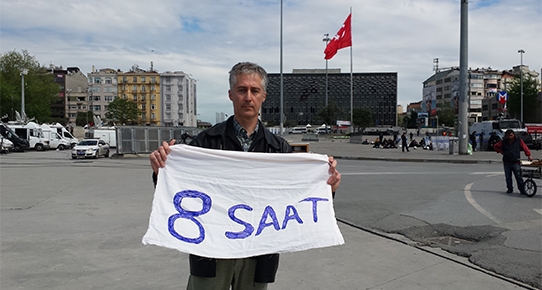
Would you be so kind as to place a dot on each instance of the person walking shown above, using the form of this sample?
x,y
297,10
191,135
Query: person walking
x,y
472,138
510,148
241,132
404,143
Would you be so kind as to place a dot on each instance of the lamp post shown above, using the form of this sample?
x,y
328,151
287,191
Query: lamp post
x,y
521,52
23,113
326,39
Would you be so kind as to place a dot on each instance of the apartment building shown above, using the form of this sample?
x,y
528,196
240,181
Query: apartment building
x,y
178,99
102,90
143,87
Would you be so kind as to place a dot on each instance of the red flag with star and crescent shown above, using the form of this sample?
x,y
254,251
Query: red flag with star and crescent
x,y
342,39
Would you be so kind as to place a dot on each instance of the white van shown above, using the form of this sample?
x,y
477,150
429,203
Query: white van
x,y
298,130
108,135
61,130
31,132
55,140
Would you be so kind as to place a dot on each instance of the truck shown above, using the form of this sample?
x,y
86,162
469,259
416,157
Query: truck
x,y
31,132
19,144
55,140
63,132
499,127
109,135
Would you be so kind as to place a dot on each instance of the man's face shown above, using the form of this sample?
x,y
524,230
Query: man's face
x,y
247,96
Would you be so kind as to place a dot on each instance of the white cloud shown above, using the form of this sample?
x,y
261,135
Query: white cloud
x,y
205,38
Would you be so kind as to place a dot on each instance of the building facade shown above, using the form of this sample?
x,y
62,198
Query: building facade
x,y
484,84
142,87
102,90
304,95
178,99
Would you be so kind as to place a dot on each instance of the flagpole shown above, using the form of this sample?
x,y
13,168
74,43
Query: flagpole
x,y
351,84
281,77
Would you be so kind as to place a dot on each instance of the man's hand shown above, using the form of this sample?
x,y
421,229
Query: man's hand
x,y
158,157
335,178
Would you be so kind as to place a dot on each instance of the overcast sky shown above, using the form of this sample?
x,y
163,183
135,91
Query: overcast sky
x,y
205,38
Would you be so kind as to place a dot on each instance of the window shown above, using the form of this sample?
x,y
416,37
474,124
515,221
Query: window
x,y
153,80
168,88
135,97
143,88
96,108
134,79
143,79
167,80
97,80
152,115
143,97
143,116
124,80
153,107
108,81
168,97
143,106
153,97
152,88
134,88
168,107
96,98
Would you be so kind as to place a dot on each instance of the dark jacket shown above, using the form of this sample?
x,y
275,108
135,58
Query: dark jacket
x,y
511,150
223,136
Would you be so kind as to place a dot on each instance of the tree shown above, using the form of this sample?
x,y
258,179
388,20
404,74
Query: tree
x,y
122,111
329,113
40,89
363,118
84,118
411,121
446,115
530,102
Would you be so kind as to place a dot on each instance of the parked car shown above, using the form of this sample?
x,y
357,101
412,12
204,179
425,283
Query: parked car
x,y
93,148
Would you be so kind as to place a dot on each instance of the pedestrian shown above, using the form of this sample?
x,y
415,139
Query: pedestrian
x,y
411,136
241,132
481,139
472,138
404,142
493,139
510,148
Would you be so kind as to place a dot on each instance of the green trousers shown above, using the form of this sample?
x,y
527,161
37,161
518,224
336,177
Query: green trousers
x,y
237,273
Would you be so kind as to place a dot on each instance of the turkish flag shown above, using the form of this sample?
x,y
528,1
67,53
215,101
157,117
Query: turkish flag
x,y
342,39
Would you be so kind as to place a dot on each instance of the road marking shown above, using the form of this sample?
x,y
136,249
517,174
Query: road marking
x,y
398,173
538,210
470,199
488,173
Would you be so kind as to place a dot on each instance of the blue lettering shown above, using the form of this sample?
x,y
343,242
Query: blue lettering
x,y
269,211
291,213
314,200
249,229
190,215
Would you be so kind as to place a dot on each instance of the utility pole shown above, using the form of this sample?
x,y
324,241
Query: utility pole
x,y
463,126
23,113
281,78
521,52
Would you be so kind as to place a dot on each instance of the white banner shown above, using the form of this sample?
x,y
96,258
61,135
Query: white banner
x,y
230,204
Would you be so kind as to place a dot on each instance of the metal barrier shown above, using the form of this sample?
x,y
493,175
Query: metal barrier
x,y
143,139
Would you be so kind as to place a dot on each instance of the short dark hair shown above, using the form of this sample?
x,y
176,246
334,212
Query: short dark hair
x,y
248,68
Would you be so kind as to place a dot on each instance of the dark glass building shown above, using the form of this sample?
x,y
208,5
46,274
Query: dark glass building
x,y
304,96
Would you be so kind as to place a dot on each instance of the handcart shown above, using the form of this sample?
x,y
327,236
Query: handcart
x,y
531,170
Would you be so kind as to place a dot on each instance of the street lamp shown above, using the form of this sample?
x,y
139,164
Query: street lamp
x,y
23,113
521,52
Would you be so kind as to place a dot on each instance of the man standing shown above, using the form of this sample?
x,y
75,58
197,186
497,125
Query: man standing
x,y
473,140
404,143
510,148
241,132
